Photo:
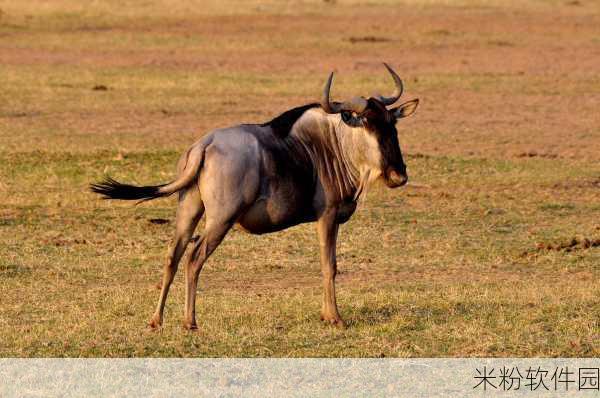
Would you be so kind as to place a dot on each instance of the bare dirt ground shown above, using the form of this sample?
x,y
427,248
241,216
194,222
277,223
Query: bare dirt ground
x,y
469,259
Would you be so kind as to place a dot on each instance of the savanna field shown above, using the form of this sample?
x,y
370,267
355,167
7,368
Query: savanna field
x,y
492,249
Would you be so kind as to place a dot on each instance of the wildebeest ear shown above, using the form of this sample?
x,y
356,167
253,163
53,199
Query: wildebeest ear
x,y
406,109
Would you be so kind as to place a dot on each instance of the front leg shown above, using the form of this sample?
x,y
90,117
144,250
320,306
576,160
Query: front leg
x,y
328,230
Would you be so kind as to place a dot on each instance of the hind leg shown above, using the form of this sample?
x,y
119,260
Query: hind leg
x,y
223,207
212,237
189,212
229,183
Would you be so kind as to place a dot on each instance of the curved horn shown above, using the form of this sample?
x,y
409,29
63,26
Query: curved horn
x,y
325,103
399,88
357,104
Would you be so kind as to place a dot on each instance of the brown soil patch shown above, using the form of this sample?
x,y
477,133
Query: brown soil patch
x,y
570,245
368,39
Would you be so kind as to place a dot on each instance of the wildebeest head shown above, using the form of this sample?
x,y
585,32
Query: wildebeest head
x,y
378,125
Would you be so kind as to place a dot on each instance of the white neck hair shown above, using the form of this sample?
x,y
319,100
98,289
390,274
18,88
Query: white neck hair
x,y
335,147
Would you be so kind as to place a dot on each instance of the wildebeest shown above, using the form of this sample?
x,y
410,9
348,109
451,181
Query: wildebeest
x,y
311,163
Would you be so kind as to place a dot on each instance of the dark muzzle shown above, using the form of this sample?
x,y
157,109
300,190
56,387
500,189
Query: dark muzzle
x,y
395,179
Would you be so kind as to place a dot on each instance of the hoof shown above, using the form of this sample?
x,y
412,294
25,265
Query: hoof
x,y
154,324
192,327
334,321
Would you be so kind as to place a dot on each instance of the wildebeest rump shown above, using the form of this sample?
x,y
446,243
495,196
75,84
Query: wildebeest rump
x,y
311,163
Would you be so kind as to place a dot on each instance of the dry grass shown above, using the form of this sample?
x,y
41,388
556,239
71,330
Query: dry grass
x,y
503,156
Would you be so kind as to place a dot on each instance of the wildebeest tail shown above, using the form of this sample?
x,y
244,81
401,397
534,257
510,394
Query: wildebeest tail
x,y
111,189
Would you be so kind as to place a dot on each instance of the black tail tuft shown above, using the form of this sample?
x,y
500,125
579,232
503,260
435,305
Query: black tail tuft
x,y
111,189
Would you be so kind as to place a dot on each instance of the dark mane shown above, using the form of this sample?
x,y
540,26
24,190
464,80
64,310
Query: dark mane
x,y
282,124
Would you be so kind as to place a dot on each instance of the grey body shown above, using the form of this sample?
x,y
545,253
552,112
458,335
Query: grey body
x,y
272,183
269,199
266,180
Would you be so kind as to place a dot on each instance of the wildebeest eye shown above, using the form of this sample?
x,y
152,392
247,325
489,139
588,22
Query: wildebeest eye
x,y
351,119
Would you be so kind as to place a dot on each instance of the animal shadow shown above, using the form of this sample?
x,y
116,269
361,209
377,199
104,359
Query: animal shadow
x,y
374,314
